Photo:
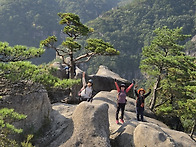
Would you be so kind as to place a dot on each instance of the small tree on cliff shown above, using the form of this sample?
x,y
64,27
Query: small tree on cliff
x,y
18,76
7,117
75,30
161,55
15,72
174,74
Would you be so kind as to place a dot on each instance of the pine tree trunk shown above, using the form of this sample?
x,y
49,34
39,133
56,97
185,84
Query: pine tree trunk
x,y
73,92
154,97
193,129
72,66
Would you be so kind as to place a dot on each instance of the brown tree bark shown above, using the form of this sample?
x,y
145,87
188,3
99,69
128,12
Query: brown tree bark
x,y
154,97
193,129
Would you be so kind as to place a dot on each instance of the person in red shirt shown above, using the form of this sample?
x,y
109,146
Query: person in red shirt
x,y
121,99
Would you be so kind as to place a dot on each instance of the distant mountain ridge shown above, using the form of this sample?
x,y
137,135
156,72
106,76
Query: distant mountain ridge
x,y
128,25
28,21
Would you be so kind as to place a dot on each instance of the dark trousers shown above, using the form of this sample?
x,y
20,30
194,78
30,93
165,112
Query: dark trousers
x,y
140,111
120,106
86,99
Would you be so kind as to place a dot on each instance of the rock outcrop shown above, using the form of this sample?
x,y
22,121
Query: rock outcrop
x,y
35,105
93,124
104,80
89,124
60,71
104,71
153,135
57,95
192,51
135,133
91,129
60,128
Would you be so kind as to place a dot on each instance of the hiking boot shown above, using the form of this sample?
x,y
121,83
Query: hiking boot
x,y
117,122
122,121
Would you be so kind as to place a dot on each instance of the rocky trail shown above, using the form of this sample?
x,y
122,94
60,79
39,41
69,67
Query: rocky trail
x,y
93,124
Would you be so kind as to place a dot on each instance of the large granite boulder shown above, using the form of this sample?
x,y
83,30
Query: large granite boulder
x,y
61,126
59,71
104,80
63,72
91,126
154,135
192,51
106,72
36,105
57,95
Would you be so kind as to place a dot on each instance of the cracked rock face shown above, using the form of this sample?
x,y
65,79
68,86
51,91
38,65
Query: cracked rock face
x,y
153,135
91,126
35,105
159,139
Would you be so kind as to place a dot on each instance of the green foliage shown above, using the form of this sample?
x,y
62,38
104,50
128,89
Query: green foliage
x,y
130,27
187,113
23,70
71,44
14,70
49,41
7,116
100,47
163,49
28,21
27,143
75,30
165,109
25,21
18,52
20,77
88,9
164,58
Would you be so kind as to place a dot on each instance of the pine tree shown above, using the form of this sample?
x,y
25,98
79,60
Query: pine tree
x,y
160,55
18,76
175,73
16,72
75,30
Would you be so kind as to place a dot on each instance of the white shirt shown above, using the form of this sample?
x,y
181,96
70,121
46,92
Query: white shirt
x,y
87,92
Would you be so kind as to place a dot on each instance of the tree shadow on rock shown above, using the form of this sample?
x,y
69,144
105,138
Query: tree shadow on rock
x,y
58,132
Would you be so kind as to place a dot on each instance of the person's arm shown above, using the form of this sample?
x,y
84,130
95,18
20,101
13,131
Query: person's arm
x,y
136,91
83,79
147,93
127,90
117,87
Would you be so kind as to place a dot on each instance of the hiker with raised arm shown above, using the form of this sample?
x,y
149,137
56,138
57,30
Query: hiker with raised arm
x,y
140,94
121,99
86,91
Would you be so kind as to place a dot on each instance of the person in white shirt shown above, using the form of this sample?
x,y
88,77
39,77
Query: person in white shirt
x,y
86,91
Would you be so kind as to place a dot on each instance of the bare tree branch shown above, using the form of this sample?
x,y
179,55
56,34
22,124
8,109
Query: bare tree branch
x,y
85,56
162,103
88,58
